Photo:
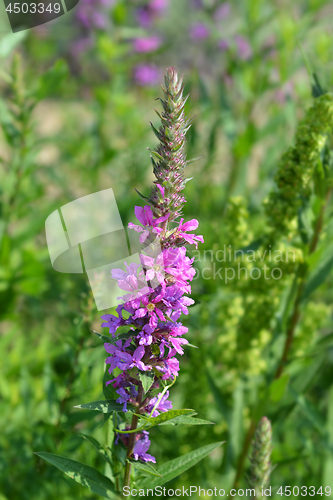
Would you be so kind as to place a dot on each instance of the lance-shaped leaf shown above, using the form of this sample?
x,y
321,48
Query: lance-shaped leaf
x,y
173,468
146,469
187,420
82,474
105,406
318,277
97,446
164,417
102,337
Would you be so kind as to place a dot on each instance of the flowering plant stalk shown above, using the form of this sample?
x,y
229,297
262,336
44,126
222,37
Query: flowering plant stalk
x,y
304,183
147,359
142,359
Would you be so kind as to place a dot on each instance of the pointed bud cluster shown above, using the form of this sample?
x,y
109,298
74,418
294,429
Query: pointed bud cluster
x,y
260,458
297,166
168,158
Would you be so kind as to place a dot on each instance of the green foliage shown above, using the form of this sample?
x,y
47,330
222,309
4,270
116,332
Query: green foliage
x,y
82,474
172,469
146,469
105,406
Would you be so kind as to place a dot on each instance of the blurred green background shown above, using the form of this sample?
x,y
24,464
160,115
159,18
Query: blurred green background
x,y
77,95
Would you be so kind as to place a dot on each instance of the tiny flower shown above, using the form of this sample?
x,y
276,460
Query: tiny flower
x,y
162,407
243,48
223,44
199,31
177,343
158,6
153,267
145,216
146,74
170,368
191,225
141,447
153,10
148,44
151,309
222,12
174,300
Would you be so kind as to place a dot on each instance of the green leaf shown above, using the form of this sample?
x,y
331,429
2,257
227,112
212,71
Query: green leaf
x,y
168,415
187,420
146,469
311,413
303,227
193,160
307,375
103,337
324,342
97,446
220,401
156,132
155,155
318,277
278,387
108,390
173,468
82,474
320,183
141,195
105,406
147,380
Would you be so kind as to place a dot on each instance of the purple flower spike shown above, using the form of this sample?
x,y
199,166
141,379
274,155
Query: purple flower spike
x,y
159,285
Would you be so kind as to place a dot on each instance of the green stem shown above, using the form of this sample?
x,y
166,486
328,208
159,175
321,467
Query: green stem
x,y
303,273
161,396
131,441
246,446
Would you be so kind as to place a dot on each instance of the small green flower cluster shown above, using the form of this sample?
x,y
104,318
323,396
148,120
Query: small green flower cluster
x,y
315,316
297,166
